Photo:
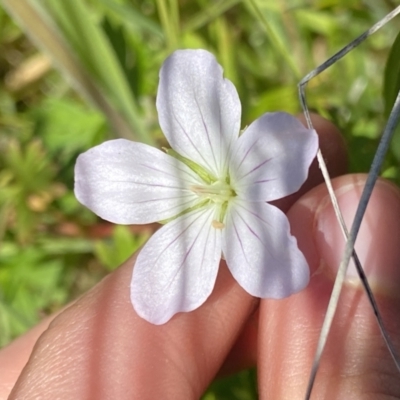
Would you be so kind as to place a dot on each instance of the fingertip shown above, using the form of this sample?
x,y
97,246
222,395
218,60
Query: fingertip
x,y
100,340
377,241
355,362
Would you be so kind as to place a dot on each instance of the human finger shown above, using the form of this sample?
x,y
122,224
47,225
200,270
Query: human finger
x,y
356,363
99,348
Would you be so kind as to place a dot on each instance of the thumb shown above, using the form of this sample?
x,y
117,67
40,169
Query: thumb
x,y
356,363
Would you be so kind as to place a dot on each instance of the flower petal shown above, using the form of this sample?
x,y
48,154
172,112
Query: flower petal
x,y
271,158
177,268
260,252
131,183
199,111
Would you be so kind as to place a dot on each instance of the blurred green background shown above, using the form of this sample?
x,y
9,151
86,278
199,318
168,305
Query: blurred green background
x,y
75,73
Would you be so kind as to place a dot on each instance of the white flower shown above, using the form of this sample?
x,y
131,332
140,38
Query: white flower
x,y
212,187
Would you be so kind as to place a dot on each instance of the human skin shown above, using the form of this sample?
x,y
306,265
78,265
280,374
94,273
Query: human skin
x,y
98,348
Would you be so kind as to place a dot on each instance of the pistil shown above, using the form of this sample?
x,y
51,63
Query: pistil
x,y
218,192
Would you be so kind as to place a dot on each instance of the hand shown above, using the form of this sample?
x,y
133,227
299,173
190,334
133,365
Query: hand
x,y
98,348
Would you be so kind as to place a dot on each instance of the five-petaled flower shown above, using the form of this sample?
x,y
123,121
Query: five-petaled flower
x,y
211,188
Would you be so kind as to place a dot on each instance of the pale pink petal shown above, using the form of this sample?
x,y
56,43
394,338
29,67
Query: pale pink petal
x,y
177,268
131,183
260,252
199,111
271,158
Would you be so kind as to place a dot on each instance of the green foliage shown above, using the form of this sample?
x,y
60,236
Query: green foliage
x,y
66,127
391,85
95,51
110,52
114,251
391,89
242,386
29,285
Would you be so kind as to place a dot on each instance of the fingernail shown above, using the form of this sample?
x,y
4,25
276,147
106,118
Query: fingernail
x,y
378,241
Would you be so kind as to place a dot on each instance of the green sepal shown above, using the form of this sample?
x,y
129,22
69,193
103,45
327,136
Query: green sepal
x,y
206,176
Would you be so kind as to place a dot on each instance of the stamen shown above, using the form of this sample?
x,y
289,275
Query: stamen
x,y
217,224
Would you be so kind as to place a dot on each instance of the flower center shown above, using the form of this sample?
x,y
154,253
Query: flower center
x,y
219,192
216,191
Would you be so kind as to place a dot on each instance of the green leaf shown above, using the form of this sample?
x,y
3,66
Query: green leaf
x,y
132,19
208,14
269,15
29,285
317,21
95,51
67,127
391,87
391,84
66,31
395,145
129,62
113,252
282,98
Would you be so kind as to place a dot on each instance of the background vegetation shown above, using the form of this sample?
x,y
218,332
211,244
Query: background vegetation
x,y
107,54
